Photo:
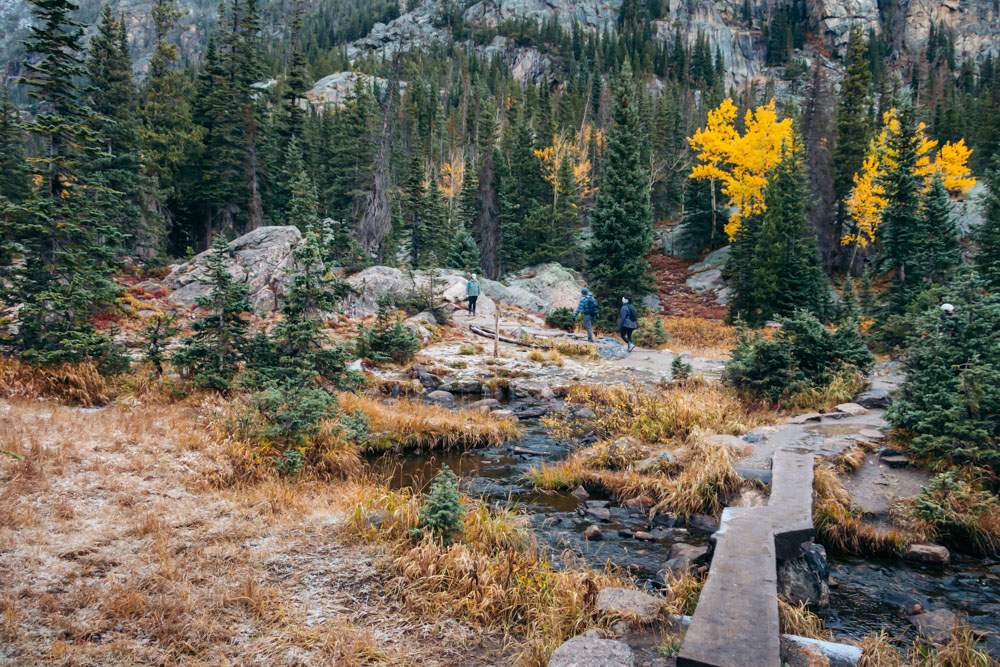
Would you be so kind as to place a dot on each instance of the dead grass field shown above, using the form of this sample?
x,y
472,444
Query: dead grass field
x,y
116,548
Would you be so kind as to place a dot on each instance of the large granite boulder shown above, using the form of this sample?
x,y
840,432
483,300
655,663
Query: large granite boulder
x,y
633,604
541,289
262,259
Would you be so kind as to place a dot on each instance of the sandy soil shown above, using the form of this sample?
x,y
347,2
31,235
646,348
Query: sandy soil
x,y
116,547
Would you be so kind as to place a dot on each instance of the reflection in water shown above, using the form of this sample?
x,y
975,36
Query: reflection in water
x,y
866,595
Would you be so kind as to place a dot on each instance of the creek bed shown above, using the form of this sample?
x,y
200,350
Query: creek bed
x,y
866,596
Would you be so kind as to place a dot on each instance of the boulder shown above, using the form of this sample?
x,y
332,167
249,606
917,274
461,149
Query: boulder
x,y
335,89
639,506
871,434
676,567
936,625
485,405
806,578
702,524
738,446
806,418
425,318
876,397
931,554
597,513
457,385
696,554
592,652
713,260
542,288
445,398
429,381
593,533
524,388
706,280
641,606
655,462
580,493
263,260
852,409
505,414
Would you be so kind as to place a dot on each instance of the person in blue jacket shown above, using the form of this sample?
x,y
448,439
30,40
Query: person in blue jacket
x,y
472,292
588,306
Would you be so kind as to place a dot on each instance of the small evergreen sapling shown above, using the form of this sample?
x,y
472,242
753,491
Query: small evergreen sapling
x,y
680,370
157,335
387,340
213,354
442,511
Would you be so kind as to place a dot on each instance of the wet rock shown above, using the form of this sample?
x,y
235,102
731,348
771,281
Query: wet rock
x,y
931,554
852,409
462,385
913,609
592,652
655,462
696,554
748,498
623,601
702,524
505,414
802,655
597,513
667,520
876,397
676,567
644,536
485,405
806,418
429,381
806,578
754,437
872,434
638,506
524,451
822,653
580,493
895,460
762,476
739,446
627,533
593,533
441,396
936,625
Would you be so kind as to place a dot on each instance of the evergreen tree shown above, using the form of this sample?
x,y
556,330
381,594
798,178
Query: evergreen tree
x,y
438,232
987,235
15,184
550,231
622,219
900,229
937,254
488,219
463,253
521,192
213,354
785,274
698,223
119,172
854,125
58,250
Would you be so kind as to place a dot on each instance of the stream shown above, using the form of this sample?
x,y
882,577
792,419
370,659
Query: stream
x,y
866,595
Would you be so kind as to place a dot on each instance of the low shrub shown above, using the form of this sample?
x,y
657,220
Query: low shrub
x,y
470,349
958,512
804,355
651,333
680,370
561,318
442,509
387,340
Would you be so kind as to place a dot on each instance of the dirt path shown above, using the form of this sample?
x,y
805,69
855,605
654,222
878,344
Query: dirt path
x,y
115,549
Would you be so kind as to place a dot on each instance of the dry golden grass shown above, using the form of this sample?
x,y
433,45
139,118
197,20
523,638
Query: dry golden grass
x,y
682,592
796,619
839,524
661,414
409,424
494,576
840,389
78,384
116,549
962,650
699,336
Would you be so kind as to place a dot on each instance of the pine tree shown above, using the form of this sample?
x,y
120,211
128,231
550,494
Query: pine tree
x,y
899,231
58,249
414,196
854,126
438,231
622,219
987,235
550,231
487,227
14,182
521,192
118,168
850,306
785,274
698,223
463,253
937,254
212,355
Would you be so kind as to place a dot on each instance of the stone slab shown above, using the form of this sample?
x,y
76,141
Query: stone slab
x,y
736,621
791,502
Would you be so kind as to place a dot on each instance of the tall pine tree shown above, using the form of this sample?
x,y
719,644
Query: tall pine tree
x,y
14,182
987,236
622,219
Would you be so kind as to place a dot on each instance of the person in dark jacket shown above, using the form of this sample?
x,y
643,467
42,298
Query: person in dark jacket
x,y
588,306
628,321
472,291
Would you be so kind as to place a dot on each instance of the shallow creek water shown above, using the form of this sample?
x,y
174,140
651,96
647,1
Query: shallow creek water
x,y
866,594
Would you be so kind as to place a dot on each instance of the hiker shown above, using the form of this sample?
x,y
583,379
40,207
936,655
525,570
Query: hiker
x,y
588,306
472,291
628,321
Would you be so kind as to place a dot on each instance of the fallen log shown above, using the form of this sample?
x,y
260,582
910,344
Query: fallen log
x,y
486,333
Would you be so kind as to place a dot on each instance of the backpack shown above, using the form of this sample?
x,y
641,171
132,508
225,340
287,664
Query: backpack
x,y
590,307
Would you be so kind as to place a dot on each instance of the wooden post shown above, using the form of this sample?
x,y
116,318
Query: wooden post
x,y
496,333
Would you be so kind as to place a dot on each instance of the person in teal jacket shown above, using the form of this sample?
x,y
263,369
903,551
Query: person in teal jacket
x,y
472,292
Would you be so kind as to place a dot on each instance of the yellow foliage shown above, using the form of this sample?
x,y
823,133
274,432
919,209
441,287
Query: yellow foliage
x,y
867,199
552,157
740,162
452,177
